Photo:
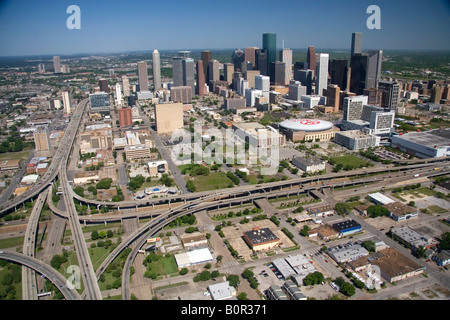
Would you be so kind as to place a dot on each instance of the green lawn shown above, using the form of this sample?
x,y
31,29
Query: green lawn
x,y
163,266
215,180
350,160
15,155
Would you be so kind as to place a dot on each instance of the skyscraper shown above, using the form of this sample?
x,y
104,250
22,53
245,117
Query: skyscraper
x,y
311,59
125,86
339,72
177,70
228,70
358,78
356,43
66,102
214,74
286,57
261,61
250,55
278,73
238,57
389,98
188,73
305,77
143,76
156,70
322,73
118,94
270,44
56,64
201,89
103,84
206,57
375,58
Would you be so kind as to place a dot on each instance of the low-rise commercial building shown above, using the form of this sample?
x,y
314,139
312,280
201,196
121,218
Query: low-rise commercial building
x,y
347,253
413,239
400,212
429,144
356,139
261,239
347,227
222,291
308,165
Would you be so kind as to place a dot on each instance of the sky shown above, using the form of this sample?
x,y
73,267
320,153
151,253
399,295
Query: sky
x,y
38,27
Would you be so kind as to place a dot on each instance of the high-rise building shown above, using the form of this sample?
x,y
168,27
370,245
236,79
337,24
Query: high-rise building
x,y
238,57
177,70
374,96
339,73
356,43
188,73
41,68
306,78
270,45
389,97
332,93
322,73
436,94
201,89
103,84
168,117
277,76
125,117
206,57
66,102
118,94
296,90
374,58
311,59
125,86
181,94
56,64
286,57
99,102
262,83
143,76
353,107
250,55
156,70
261,61
214,74
358,78
228,70
250,77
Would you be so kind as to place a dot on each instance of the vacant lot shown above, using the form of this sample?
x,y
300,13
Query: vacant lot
x,y
215,180
349,161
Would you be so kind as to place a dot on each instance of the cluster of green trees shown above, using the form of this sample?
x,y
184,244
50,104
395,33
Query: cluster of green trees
x,y
115,269
9,279
166,180
249,275
342,208
206,275
242,175
184,220
345,287
136,182
14,143
313,279
233,178
58,260
190,186
95,235
377,210
104,183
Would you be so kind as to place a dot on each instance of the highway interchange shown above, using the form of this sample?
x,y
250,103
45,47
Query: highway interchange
x,y
185,203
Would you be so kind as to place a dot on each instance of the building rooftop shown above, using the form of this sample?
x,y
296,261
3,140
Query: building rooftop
x,y
393,263
259,236
344,225
381,198
399,209
433,138
347,253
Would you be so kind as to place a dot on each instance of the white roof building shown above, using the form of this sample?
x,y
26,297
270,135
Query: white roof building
x,y
380,198
222,291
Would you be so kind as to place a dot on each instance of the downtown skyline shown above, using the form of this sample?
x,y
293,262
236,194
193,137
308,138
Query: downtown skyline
x,y
39,28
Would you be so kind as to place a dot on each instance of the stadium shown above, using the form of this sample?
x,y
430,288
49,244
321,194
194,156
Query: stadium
x,y
308,129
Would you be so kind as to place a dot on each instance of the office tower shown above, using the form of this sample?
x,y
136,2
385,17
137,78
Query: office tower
x,y
181,94
306,78
332,93
66,102
250,77
296,90
286,57
311,59
206,57
389,98
168,117
42,143
358,65
353,107
103,84
236,76
125,86
278,69
177,70
356,43
156,70
339,72
238,57
41,68
125,117
242,86
56,64
436,94
143,76
188,73
228,70
263,83
374,96
322,73
214,74
250,96
373,72
261,61
201,89
301,65
250,55
270,45
118,94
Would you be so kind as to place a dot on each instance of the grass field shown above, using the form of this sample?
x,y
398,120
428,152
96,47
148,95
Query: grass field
x,y
349,160
15,155
163,266
215,180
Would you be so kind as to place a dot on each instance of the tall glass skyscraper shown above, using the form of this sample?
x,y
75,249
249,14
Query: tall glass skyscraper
x,y
143,76
322,73
156,71
270,44
356,42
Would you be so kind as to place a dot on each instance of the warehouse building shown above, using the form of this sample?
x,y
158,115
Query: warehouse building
x,y
308,165
400,211
347,227
261,239
193,257
356,140
429,144
347,253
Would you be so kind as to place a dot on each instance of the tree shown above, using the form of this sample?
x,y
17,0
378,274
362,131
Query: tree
x,y
190,186
233,279
183,271
342,208
377,210
445,241
242,296
348,289
369,246
94,235
104,183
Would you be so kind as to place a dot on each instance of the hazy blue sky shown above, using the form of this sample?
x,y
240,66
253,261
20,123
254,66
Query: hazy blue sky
x,y
29,27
